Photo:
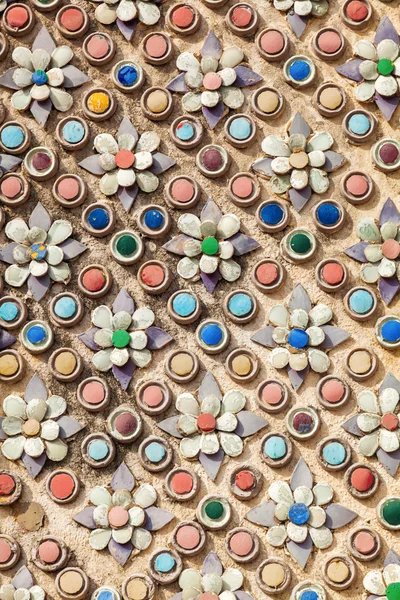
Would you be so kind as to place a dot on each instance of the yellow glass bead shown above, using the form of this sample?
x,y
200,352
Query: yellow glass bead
x,y
98,102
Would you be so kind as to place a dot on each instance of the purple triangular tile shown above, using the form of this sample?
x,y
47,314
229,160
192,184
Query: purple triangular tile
x,y
177,596
6,339
264,337
299,198
299,125
209,387
35,389
241,595
157,518
297,23
40,217
170,426
210,280
263,514
124,374
72,248
356,252
351,69
263,167
243,243
9,163
127,28
123,478
44,41
69,426
126,126
212,564
7,81
297,378
35,465
41,111
390,461
392,558
387,106
246,77
120,552
249,423
386,31
389,212
389,381
333,161
73,77
123,302
161,163
212,46
178,84
213,115
333,336
351,426
157,338
6,253
388,288
212,463
87,337
127,196
299,298
338,516
85,518
300,552
301,475
23,579
39,286
211,212
176,244
91,165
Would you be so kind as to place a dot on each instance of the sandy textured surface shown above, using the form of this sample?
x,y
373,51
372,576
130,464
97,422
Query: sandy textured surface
x,y
100,567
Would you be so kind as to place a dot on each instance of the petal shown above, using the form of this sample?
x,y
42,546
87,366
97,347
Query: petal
x,y
61,100
23,57
61,56
100,495
102,361
40,59
13,448
102,317
373,583
99,538
16,276
231,444
21,99
279,491
59,232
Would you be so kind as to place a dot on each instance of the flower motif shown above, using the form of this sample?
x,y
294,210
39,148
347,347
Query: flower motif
x,y
40,77
377,423
211,425
213,580
376,69
299,336
127,13
300,165
379,251
22,586
128,163
123,338
38,252
208,244
213,83
300,11
300,514
121,519
34,427
384,584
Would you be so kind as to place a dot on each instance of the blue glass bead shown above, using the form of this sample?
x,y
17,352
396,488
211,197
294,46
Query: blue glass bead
x,y
38,251
240,128
73,132
36,334
359,124
309,595
127,75
98,450
155,452
65,308
153,219
12,136
105,595
361,302
164,562
299,513
334,453
9,311
98,218
211,334
240,305
185,131
298,338
39,77
390,331
299,70
184,304
328,214
275,447
271,214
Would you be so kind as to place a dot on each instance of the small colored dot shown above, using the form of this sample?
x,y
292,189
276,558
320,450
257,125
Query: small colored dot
x,y
73,132
184,304
98,219
155,452
298,338
272,214
240,305
211,334
9,311
299,70
98,450
153,219
65,307
36,334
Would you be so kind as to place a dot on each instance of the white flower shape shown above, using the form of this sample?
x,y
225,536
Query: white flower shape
x,y
381,251
31,427
121,337
196,585
145,11
9,592
380,69
383,584
301,514
378,421
210,424
121,516
303,8
127,160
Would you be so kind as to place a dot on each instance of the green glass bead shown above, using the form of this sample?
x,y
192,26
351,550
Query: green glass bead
x,y
385,66
214,510
120,338
209,246
126,245
393,591
300,243
391,512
